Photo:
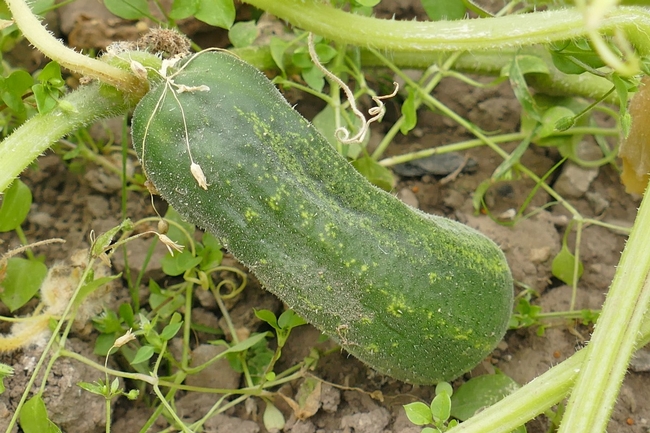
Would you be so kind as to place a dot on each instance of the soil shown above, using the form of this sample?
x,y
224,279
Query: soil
x,y
70,202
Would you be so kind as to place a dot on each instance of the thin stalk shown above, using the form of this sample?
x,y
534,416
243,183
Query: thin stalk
x,y
454,147
465,35
614,339
47,44
35,136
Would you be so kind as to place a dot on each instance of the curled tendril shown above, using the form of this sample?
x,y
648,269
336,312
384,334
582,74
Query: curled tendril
x,y
229,284
376,113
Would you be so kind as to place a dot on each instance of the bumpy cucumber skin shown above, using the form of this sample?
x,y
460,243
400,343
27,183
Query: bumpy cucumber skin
x,y
418,297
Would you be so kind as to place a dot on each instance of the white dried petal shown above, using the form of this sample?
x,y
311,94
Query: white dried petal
x,y
139,70
197,172
182,88
170,244
168,63
121,341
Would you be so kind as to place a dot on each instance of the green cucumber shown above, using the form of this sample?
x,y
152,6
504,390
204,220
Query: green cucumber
x,y
418,297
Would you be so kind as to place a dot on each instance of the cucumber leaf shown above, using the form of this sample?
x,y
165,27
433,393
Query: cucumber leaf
x,y
23,279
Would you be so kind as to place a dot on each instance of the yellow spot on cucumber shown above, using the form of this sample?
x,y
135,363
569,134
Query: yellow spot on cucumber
x,y
250,215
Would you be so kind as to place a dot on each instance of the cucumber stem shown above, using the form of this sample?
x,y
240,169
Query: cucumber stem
x,y
535,397
45,42
35,136
614,339
465,35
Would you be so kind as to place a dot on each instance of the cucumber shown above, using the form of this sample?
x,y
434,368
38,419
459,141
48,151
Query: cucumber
x,y
418,297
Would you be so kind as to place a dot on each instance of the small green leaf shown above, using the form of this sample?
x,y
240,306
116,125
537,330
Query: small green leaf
x,y
218,13
479,194
174,233
502,171
444,387
243,34
170,330
23,279
104,240
34,419
301,59
325,52
409,113
246,344
289,319
51,75
273,418
39,7
16,203
128,9
571,57
418,413
439,10
108,322
518,67
164,305
126,313
441,407
622,88
268,317
143,354
377,174
5,371
179,263
314,78
96,388
115,384
563,266
45,101
14,87
211,254
278,49
104,343
182,9
480,392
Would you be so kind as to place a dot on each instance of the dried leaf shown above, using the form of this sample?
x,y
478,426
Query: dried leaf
x,y
308,399
635,148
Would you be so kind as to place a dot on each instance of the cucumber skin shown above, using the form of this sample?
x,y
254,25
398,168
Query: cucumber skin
x,y
418,297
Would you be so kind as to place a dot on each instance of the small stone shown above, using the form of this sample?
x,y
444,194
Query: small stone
x,y
97,206
374,421
408,197
640,362
454,199
330,398
597,202
437,164
42,219
574,181
539,255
